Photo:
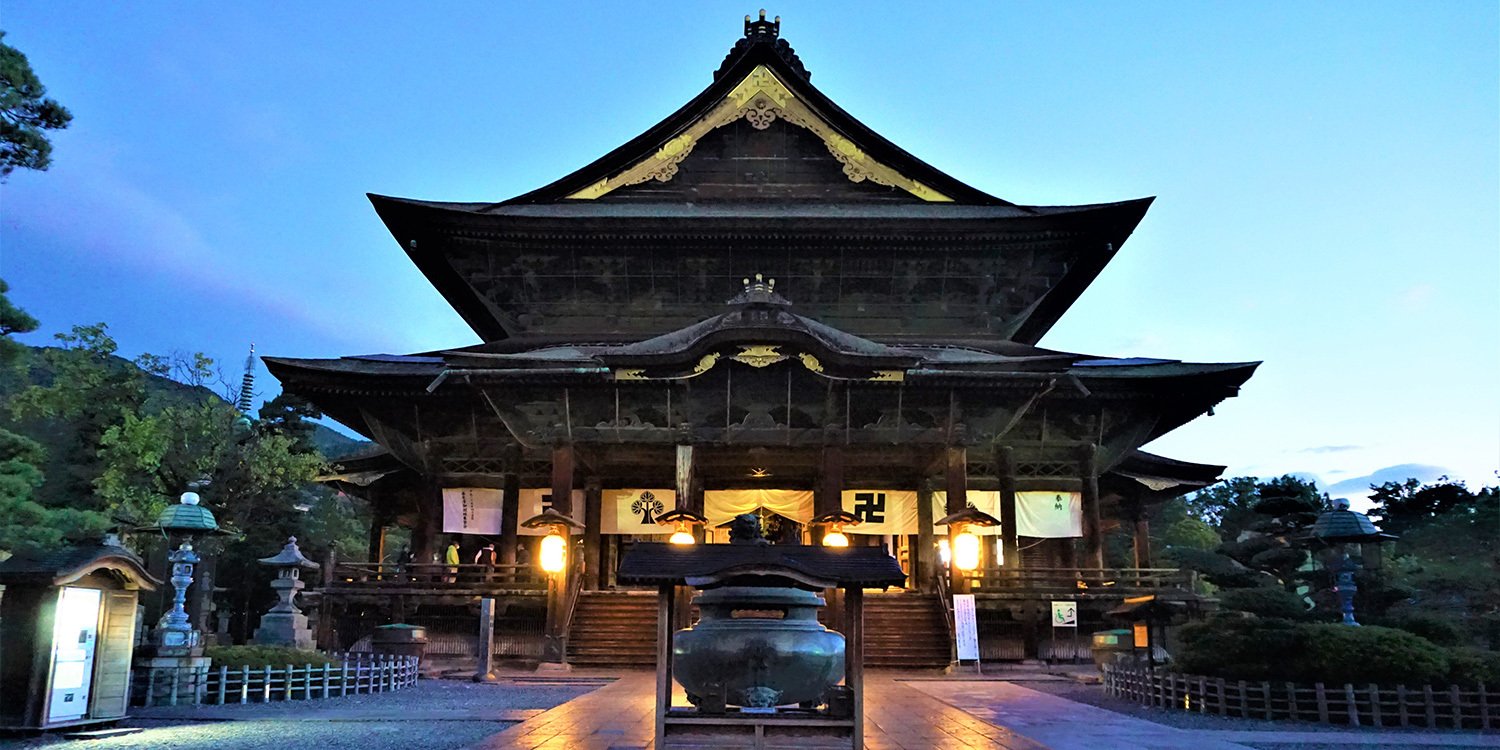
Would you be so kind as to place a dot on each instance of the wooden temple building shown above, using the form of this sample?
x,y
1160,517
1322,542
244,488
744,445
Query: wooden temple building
x,y
759,305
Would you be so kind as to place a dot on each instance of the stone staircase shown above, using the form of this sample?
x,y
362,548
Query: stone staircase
x,y
905,631
613,629
618,629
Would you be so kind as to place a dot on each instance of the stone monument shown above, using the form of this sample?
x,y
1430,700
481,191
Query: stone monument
x,y
284,624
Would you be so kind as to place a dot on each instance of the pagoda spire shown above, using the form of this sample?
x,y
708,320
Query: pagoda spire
x,y
247,384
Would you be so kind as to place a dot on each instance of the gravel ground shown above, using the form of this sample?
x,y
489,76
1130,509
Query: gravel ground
x,y
276,726
1094,695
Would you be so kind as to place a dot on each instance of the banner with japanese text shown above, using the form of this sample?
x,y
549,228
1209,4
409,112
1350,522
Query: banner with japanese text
x,y
471,510
1049,514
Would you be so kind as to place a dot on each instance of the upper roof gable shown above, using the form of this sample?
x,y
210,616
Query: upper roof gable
x,y
761,82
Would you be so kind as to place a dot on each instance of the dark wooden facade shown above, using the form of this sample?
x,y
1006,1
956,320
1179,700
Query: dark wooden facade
x,y
895,348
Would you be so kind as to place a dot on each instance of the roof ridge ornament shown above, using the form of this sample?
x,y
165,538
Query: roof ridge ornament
x,y
763,32
759,293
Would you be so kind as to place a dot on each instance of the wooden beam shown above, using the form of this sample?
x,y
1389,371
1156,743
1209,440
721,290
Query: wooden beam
x,y
1093,531
1005,459
510,510
830,495
666,596
854,658
926,549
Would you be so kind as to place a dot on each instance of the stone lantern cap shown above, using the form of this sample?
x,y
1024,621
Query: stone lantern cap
x,y
188,517
550,518
290,557
1344,525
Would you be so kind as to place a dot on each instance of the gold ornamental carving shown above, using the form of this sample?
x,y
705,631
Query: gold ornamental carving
x,y
759,355
810,362
761,99
888,376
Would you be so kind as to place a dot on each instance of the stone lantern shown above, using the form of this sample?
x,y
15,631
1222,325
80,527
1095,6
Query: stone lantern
x,y
1340,527
175,635
284,624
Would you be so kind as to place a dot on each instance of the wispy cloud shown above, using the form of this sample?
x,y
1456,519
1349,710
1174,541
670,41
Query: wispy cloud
x,y
1331,449
1360,486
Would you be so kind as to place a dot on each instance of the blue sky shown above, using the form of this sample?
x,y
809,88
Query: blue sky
x,y
1328,178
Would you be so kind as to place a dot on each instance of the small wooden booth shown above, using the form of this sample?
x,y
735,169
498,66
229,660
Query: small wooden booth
x,y
835,722
67,634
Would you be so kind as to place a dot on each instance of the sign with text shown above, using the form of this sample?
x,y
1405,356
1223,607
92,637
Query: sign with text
x,y
1065,614
965,627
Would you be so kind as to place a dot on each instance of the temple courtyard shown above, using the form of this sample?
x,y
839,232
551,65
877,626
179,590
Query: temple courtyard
x,y
595,710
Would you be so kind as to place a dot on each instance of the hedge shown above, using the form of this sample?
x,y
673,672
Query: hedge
x,y
256,657
1281,650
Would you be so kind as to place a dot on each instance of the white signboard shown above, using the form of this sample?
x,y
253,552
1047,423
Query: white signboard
x,y
1065,614
965,628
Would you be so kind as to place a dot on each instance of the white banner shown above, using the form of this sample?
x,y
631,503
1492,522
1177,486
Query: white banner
x,y
882,512
721,506
987,501
1049,514
635,511
471,510
533,502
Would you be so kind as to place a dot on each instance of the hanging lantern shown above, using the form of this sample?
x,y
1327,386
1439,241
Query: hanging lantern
x,y
682,535
554,557
966,550
835,537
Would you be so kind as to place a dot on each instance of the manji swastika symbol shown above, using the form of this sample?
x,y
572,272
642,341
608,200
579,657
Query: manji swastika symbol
x,y
870,507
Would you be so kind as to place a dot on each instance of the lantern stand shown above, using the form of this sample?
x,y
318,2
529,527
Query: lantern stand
x,y
832,523
1339,527
284,624
554,562
684,523
175,644
963,560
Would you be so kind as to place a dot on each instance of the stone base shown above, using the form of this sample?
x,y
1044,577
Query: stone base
x,y
552,667
164,676
284,629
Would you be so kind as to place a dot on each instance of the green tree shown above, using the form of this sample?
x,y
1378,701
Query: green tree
x,y
13,320
25,114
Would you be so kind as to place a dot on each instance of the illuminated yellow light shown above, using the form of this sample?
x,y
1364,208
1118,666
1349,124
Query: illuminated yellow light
x,y
966,551
682,537
835,538
945,553
554,553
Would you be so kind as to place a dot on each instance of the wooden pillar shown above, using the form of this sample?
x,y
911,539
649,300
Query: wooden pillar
x,y
552,648
424,533
1141,538
666,597
510,510
562,479
685,475
926,549
377,540
956,479
1006,460
830,496
593,552
325,635
1093,530
854,657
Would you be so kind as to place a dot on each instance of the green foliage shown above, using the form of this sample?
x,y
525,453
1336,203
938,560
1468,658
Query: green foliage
x,y
1470,666
258,657
1442,630
13,320
1266,601
1240,648
25,113
1401,506
1276,650
1338,654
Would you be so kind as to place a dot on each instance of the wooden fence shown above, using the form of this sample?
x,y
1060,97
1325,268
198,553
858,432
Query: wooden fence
x,y
1357,705
350,674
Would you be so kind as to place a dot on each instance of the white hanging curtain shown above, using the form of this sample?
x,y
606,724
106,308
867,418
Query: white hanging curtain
x,y
635,511
1049,514
721,506
987,501
471,510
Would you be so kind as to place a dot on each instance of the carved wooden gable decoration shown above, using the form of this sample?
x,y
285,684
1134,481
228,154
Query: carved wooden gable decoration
x,y
761,100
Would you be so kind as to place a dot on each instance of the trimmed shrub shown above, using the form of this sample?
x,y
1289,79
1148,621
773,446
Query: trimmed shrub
x,y
1338,654
1444,631
1271,602
257,657
1471,666
1239,648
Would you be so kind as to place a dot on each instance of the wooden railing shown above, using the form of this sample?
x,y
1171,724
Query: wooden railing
x,y
350,674
1357,705
434,578
1081,581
